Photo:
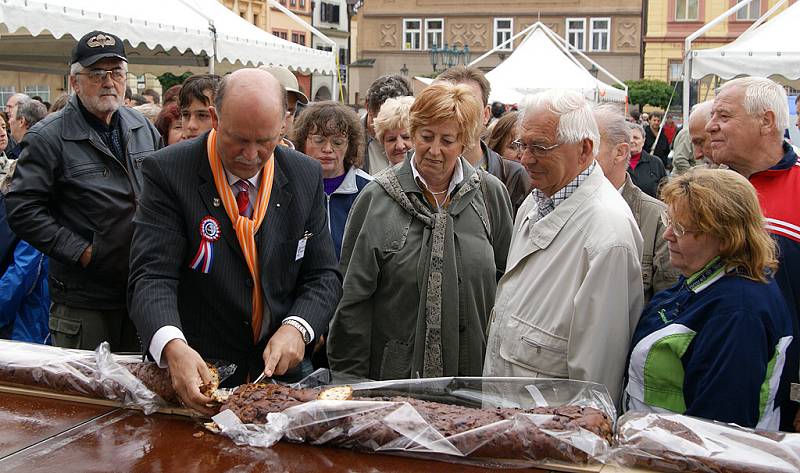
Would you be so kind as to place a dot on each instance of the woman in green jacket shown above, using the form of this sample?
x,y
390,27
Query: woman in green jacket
x,y
423,248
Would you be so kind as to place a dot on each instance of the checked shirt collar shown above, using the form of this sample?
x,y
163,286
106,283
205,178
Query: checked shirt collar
x,y
548,204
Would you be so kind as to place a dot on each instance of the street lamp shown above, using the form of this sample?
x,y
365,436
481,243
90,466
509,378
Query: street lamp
x,y
404,70
451,55
434,53
594,70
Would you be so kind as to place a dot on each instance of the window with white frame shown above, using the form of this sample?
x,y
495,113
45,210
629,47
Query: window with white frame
x,y
503,30
6,91
42,91
412,33
675,71
576,33
686,10
434,33
599,32
749,13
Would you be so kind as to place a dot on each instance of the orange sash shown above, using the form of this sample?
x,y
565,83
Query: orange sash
x,y
246,228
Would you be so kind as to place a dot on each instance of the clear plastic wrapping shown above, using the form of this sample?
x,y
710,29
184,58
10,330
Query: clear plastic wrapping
x,y
452,419
99,374
677,443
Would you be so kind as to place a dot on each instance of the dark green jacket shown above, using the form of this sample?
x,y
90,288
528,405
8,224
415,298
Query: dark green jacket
x,y
378,330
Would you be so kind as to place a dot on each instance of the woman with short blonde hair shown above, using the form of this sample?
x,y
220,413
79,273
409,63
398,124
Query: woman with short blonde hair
x,y
422,251
392,128
714,345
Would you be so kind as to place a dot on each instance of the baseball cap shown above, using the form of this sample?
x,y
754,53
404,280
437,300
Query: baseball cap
x,y
95,46
287,80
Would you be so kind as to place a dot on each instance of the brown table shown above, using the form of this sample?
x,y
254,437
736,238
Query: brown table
x,y
45,435
25,421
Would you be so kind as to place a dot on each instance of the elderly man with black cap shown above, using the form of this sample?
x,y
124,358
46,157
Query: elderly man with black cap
x,y
75,191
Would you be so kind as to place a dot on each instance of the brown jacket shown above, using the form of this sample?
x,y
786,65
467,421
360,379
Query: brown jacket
x,y
510,173
657,272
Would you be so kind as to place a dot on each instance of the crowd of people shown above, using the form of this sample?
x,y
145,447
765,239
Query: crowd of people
x,y
437,235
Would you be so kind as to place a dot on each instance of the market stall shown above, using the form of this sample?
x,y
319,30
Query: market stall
x,y
765,49
523,73
196,35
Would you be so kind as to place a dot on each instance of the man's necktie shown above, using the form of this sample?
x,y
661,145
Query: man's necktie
x,y
243,198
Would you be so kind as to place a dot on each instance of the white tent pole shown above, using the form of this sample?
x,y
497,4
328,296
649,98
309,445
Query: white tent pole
x,y
213,58
687,53
318,33
502,45
570,49
560,42
764,17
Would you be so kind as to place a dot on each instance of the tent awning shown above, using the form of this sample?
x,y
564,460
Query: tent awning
x,y
538,64
764,51
160,31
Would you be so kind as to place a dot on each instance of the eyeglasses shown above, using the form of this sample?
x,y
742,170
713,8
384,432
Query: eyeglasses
x,y
336,142
677,228
99,75
533,149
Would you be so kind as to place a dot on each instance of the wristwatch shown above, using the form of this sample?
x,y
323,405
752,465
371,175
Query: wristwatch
x,y
299,326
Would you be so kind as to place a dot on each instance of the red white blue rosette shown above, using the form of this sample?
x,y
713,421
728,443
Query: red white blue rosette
x,y
209,233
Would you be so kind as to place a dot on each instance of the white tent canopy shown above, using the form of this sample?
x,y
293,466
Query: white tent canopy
x,y
769,49
542,61
174,33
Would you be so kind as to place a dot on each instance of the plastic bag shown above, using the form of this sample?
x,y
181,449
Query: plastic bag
x,y
98,374
674,442
454,419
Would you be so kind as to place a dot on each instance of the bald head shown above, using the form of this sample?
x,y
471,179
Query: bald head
x,y
251,87
248,114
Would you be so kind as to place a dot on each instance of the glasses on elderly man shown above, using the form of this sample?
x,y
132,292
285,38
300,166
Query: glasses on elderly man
x,y
99,75
336,141
533,149
677,228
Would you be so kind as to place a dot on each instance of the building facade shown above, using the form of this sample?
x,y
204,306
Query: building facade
x,y
670,22
331,18
397,36
269,18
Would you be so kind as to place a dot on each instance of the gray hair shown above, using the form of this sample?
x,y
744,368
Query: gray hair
x,y
31,111
636,126
76,67
612,124
762,95
701,111
19,96
575,120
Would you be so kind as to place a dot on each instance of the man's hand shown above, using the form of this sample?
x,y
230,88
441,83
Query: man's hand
x,y
188,371
284,351
86,257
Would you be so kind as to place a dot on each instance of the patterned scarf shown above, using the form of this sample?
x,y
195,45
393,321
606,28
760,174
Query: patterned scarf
x,y
433,365
246,228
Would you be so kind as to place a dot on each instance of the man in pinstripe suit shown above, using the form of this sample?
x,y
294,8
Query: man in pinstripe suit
x,y
220,215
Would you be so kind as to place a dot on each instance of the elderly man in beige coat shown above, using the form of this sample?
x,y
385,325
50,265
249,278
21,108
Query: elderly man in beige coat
x,y
614,156
572,293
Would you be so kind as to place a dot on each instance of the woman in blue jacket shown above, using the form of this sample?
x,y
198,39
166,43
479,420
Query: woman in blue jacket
x,y
714,345
331,133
